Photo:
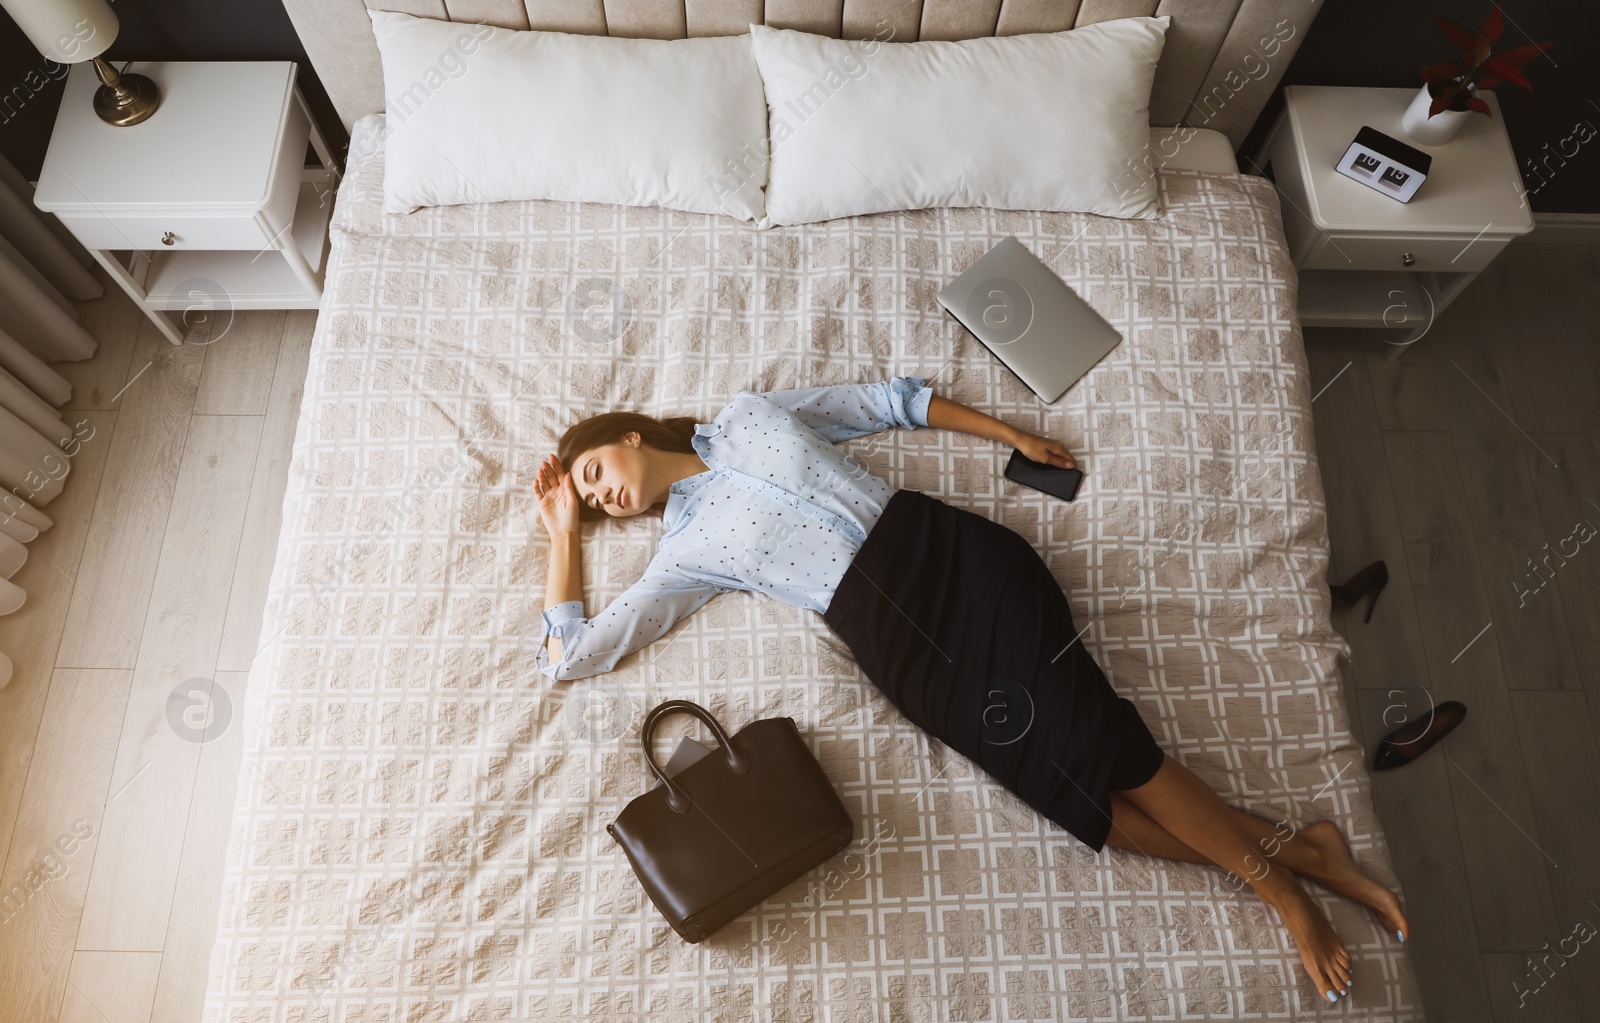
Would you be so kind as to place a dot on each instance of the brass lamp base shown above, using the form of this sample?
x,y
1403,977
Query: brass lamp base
x,y
123,99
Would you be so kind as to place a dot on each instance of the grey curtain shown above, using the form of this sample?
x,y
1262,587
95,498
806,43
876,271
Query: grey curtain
x,y
41,270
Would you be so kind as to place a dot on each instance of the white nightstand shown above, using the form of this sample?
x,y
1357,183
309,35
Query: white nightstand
x,y
1366,260
209,203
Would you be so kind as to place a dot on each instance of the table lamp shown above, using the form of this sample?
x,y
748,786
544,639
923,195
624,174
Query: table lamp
x,y
69,31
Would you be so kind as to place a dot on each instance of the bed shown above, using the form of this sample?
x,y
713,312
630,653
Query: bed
x,y
420,827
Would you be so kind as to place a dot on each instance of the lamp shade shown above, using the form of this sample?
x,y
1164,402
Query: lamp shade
x,y
66,31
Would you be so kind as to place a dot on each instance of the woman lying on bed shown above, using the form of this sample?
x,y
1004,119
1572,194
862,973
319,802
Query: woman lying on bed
x,y
940,607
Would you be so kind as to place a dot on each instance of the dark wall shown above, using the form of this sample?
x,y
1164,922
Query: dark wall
x,y
150,30
1352,42
1384,43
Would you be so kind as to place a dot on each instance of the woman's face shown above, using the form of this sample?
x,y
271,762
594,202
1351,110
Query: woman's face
x,y
612,477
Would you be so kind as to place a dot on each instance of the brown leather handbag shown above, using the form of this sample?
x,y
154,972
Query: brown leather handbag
x,y
732,828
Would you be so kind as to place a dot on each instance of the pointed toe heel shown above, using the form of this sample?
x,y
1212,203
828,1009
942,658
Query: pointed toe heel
x,y
1414,738
1370,581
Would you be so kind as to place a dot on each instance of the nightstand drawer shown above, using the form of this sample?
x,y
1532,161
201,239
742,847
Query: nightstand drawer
x,y
1443,255
151,233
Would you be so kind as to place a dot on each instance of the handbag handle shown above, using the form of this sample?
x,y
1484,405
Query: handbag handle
x,y
677,799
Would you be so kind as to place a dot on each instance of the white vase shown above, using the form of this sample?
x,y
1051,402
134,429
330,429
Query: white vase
x,y
1438,129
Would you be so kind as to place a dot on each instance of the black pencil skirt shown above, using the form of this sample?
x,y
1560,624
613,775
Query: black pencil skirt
x,y
961,625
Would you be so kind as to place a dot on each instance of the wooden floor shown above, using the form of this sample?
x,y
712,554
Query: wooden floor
x,y
1472,467
1457,465
144,604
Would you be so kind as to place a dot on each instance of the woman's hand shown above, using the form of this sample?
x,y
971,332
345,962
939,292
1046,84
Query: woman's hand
x,y
558,498
944,414
1044,449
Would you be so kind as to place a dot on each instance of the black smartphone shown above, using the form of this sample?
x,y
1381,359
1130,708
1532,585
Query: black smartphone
x,y
1049,479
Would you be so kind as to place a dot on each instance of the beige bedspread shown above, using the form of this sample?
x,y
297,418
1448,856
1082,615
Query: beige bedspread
x,y
420,828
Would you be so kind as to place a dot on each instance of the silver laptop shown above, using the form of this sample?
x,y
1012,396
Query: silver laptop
x,y
1029,318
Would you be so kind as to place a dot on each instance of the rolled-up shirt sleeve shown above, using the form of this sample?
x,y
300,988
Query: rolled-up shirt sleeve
x,y
643,614
563,622
845,411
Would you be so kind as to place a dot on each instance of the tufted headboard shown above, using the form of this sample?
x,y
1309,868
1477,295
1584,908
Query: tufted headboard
x,y
1221,61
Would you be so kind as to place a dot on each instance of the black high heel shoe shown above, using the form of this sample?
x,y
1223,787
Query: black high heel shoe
x,y
1371,579
1414,738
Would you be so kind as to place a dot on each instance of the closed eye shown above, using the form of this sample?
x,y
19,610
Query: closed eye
x,y
594,499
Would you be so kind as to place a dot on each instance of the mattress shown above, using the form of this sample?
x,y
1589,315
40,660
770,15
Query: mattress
x,y
419,832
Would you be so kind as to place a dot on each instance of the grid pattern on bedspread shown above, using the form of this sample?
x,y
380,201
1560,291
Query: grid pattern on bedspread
x,y
419,832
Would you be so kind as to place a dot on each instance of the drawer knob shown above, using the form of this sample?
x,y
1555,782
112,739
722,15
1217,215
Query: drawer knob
x,y
1407,259
168,238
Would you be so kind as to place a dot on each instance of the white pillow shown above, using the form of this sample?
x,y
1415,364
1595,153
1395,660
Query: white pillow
x,y
481,114
1048,121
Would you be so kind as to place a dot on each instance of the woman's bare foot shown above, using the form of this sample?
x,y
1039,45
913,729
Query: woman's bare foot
x,y
1337,871
1324,956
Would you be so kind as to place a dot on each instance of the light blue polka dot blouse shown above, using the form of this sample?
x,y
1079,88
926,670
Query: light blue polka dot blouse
x,y
780,511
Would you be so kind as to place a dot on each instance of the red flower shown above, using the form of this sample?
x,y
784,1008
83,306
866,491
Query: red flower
x,y
1453,84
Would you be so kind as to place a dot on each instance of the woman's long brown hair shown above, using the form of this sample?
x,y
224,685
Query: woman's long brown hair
x,y
671,434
